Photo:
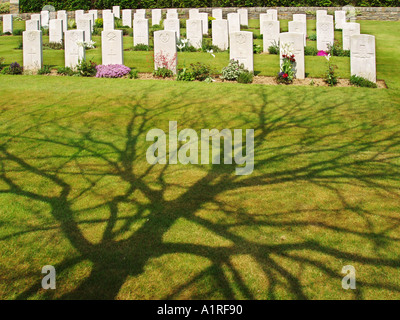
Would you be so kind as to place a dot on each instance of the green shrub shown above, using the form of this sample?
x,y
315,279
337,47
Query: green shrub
x,y
337,50
245,77
20,45
200,71
53,46
66,71
312,37
142,47
257,48
184,75
310,51
46,69
133,74
163,73
362,82
330,77
86,68
207,46
232,71
274,48
98,23
17,32
4,8
13,68
1,63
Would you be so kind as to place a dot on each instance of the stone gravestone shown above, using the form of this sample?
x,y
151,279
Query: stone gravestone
x,y
117,11
141,32
264,17
32,50
172,10
217,14
194,32
173,25
90,16
38,17
79,14
31,25
320,13
220,37
193,14
325,34
294,42
300,17
271,30
86,26
95,14
165,49
139,16
155,17
349,29
127,17
172,15
8,23
362,56
243,17
233,22
241,48
340,19
56,31
204,21
299,27
45,17
108,21
112,51
62,15
142,11
74,51
274,13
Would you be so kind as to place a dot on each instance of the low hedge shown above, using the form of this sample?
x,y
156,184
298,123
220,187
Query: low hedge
x,y
71,5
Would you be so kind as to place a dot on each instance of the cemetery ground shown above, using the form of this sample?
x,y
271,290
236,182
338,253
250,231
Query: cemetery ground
x,y
76,191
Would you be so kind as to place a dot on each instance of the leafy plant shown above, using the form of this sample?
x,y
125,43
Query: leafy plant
x,y
184,75
274,48
184,46
53,45
66,71
163,73
46,69
142,47
310,51
337,50
362,82
98,23
17,32
86,68
200,71
330,77
133,74
312,37
286,75
71,24
1,63
13,68
245,77
5,8
232,71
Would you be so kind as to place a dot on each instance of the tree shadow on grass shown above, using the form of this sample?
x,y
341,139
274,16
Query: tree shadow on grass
x,y
363,160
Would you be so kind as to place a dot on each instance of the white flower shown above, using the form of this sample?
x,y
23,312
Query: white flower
x,y
328,57
211,52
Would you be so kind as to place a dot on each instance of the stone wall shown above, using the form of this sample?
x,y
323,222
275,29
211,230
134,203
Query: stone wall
x,y
364,13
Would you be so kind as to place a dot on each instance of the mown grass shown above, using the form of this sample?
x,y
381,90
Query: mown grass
x,y
77,192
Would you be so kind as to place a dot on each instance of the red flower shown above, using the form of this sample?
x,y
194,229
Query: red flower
x,y
285,75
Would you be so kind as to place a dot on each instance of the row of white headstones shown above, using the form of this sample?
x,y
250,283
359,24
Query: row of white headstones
x,y
225,33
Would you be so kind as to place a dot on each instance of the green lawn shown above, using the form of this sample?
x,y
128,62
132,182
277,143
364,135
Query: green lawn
x,y
76,191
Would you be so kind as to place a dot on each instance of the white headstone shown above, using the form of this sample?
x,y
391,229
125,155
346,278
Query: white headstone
x,y
243,17
233,22
294,42
193,14
340,19
263,18
108,21
139,16
62,15
349,29
56,31
45,17
217,14
220,37
300,17
241,48
127,17
86,26
299,27
112,51
172,15
142,11
270,31
172,10
165,47
32,50
325,35
173,25
79,14
204,21
8,23
31,25
155,16
326,18
274,13
320,13
95,14
362,56
38,17
141,32
117,11
89,16
74,51
194,33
